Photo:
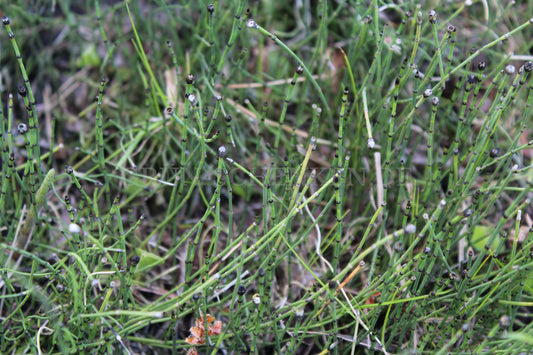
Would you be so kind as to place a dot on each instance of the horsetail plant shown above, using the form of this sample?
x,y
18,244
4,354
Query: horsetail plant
x,y
252,24
299,71
100,128
240,215
30,99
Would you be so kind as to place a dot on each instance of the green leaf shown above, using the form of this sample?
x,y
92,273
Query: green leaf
x,y
89,57
522,337
148,260
481,237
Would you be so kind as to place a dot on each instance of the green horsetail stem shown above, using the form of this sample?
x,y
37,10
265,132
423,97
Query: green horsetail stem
x,y
303,168
437,56
460,124
259,136
222,151
176,67
265,209
30,102
70,171
417,39
339,198
338,224
340,136
472,113
452,30
270,201
375,62
433,21
257,247
5,158
101,26
286,102
29,169
211,34
218,105
137,43
193,101
429,173
191,249
473,55
523,72
230,201
489,126
321,44
100,126
189,81
252,24
234,30
229,131
388,154
11,162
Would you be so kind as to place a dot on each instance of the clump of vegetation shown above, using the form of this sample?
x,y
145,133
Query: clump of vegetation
x,y
266,177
